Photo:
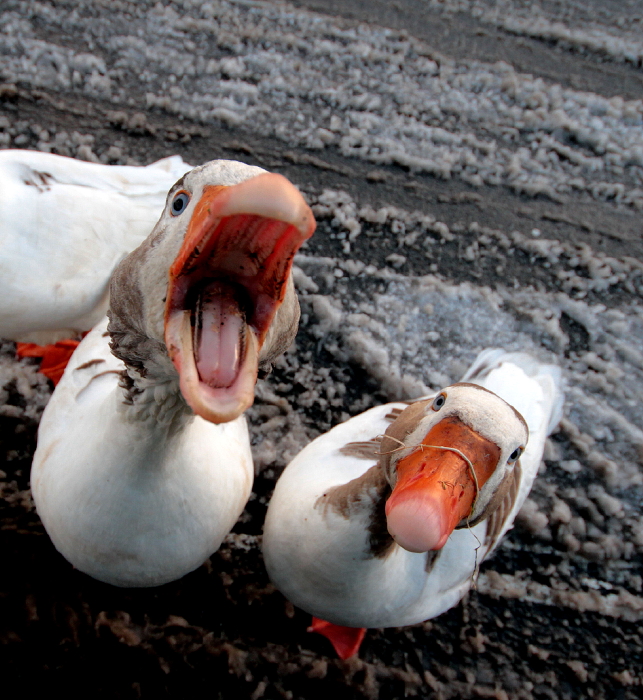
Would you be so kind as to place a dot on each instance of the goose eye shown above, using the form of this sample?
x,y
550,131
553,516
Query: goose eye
x,y
515,454
179,203
439,401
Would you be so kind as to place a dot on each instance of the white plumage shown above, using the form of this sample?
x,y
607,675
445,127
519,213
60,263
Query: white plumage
x,y
326,544
64,226
137,481
134,500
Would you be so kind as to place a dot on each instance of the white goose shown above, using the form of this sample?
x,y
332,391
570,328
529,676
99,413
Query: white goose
x,y
326,538
64,226
133,487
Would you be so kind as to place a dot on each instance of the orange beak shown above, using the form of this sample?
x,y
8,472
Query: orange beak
x,y
435,488
225,286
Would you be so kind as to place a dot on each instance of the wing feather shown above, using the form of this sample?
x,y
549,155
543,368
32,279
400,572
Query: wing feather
x,y
498,519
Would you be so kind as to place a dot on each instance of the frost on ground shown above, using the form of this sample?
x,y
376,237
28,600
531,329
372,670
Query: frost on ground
x,y
372,93
409,334
611,30
395,302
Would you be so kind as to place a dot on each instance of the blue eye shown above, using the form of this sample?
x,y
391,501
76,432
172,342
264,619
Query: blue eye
x,y
439,401
179,203
515,454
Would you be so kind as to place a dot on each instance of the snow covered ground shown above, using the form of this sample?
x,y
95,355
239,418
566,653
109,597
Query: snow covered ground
x,y
462,203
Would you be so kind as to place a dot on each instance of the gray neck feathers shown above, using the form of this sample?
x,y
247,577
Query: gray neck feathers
x,y
151,382
136,320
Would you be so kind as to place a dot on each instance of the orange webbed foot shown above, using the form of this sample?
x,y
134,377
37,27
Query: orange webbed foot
x,y
54,357
345,640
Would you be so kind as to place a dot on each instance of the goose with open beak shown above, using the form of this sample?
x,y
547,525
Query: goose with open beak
x,y
143,462
384,520
64,226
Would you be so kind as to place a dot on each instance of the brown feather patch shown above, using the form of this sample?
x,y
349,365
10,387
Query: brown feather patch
x,y
393,414
505,498
367,449
367,494
370,449
431,557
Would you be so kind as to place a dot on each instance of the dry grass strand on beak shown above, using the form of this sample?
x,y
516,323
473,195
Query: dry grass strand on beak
x,y
474,476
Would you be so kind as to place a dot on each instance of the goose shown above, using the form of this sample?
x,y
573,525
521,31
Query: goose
x,y
384,520
64,226
143,460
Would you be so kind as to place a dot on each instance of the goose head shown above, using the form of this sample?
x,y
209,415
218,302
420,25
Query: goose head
x,y
209,295
448,461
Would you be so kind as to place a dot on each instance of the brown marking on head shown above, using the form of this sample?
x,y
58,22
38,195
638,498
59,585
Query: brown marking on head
x,y
399,430
517,413
129,340
178,185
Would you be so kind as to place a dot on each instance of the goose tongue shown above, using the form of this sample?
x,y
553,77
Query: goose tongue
x,y
225,286
219,335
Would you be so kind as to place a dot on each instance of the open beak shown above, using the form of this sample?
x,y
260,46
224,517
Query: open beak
x,y
225,286
435,488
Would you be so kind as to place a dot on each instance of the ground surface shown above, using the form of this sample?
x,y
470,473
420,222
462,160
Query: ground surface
x,y
477,173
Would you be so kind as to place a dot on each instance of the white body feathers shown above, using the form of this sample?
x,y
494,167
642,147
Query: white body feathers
x,y
134,502
133,487
64,226
320,559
